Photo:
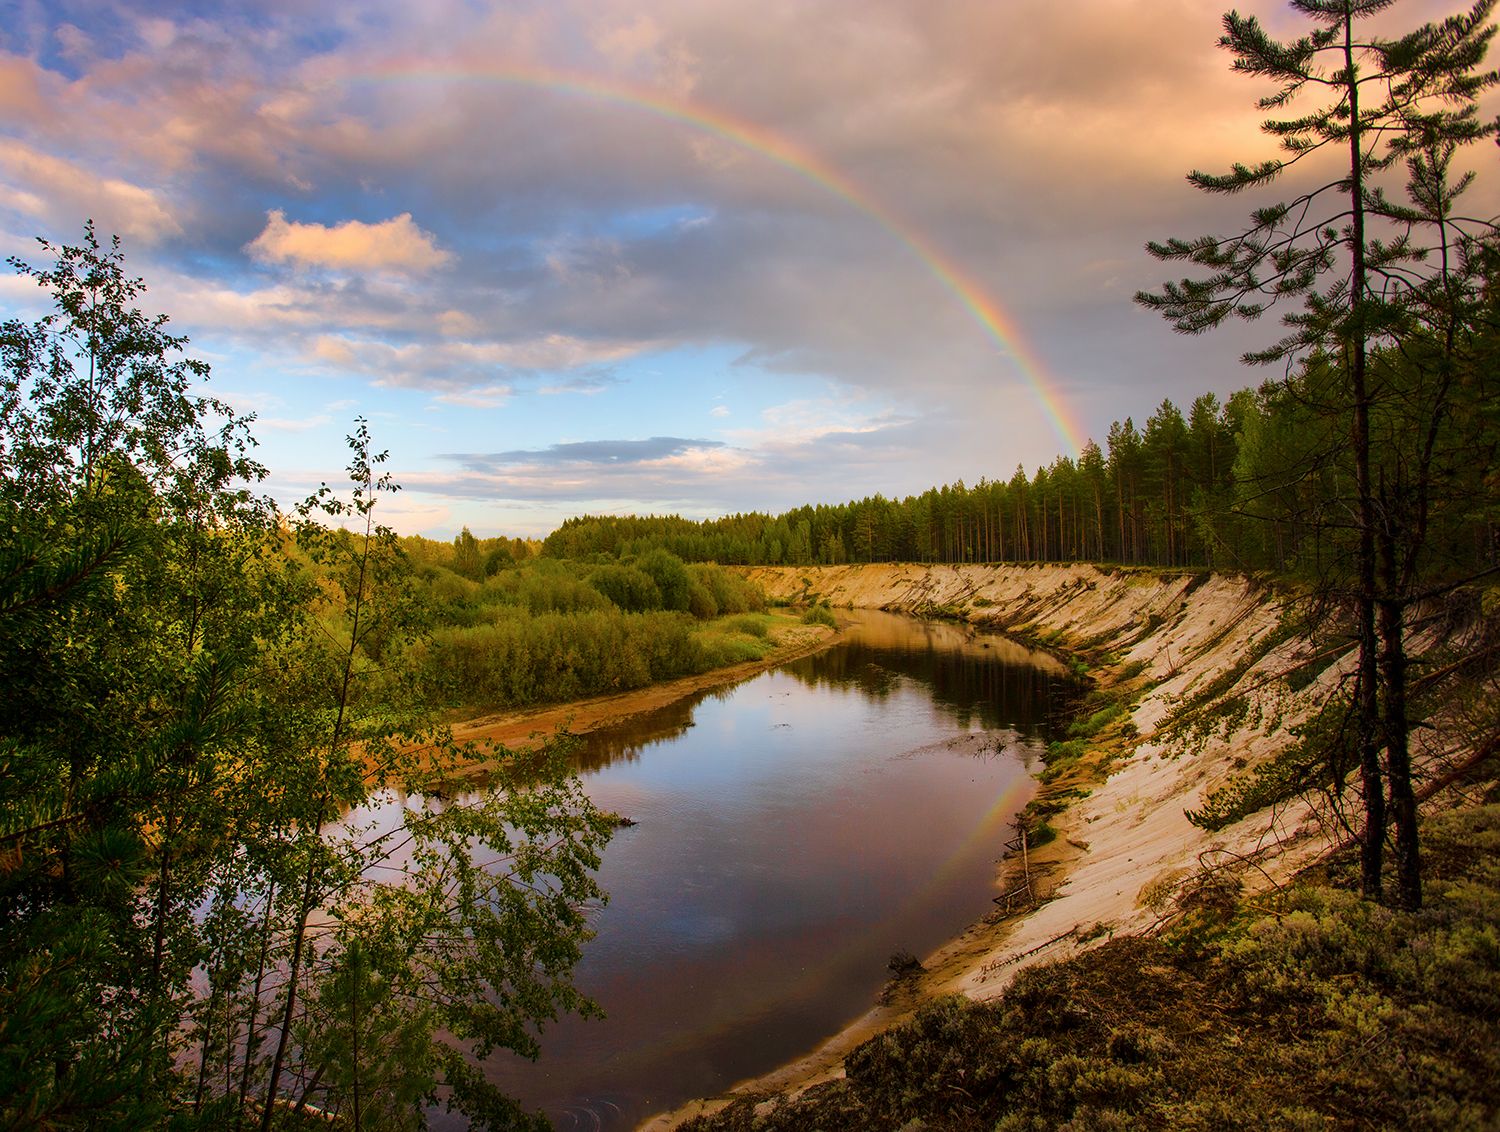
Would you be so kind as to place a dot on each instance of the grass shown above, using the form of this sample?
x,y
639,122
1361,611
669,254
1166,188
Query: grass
x,y
753,624
735,639
1061,756
1092,724
820,615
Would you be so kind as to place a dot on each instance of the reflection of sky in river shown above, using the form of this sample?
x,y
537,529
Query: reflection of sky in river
x,y
793,832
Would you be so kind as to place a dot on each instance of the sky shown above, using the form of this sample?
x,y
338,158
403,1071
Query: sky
x,y
665,256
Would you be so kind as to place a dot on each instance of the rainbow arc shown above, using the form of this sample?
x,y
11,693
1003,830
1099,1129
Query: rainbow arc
x,y
981,307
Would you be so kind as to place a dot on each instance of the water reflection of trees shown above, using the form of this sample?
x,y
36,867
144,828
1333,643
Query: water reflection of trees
x,y
974,676
624,741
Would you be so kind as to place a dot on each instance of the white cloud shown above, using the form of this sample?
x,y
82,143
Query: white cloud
x,y
801,423
394,245
469,369
486,397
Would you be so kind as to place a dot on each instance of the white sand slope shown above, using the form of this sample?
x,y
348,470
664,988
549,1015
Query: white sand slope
x,y
1130,835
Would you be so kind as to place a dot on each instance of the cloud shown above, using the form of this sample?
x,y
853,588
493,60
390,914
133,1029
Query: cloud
x,y
395,245
485,397
818,190
459,324
660,472
293,424
62,195
615,453
698,477
468,368
803,423
585,385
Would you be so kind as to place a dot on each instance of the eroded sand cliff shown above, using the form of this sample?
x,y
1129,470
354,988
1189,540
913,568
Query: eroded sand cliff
x,y
1125,845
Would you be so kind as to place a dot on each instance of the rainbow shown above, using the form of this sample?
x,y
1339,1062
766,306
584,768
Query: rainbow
x,y
949,274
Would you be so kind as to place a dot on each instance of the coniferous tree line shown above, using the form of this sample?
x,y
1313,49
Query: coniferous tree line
x,y
1241,485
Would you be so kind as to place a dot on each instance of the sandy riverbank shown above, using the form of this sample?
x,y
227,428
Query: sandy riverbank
x,y
1153,639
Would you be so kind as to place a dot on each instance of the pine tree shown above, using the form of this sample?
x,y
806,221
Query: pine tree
x,y
1348,257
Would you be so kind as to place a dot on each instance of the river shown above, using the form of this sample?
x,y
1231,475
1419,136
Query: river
x,y
793,832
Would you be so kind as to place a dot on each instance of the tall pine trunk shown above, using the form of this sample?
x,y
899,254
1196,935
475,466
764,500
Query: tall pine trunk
x,y
1368,725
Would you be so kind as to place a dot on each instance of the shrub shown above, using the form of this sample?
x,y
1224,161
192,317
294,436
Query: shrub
x,y
519,660
820,615
701,603
628,588
671,578
539,586
732,593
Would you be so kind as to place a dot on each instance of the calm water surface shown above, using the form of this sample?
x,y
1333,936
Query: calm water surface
x,y
794,830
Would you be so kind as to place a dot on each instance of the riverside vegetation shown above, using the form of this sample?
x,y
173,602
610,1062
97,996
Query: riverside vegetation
x,y
545,631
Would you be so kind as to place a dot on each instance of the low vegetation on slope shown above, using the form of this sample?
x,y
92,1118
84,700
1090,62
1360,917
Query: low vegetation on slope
x,y
1305,1008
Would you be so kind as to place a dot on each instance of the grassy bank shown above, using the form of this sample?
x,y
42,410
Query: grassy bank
x,y
505,631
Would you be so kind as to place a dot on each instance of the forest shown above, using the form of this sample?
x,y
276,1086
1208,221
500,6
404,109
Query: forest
x,y
1248,484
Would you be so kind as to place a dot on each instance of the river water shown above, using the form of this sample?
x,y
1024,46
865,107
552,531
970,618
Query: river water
x,y
793,831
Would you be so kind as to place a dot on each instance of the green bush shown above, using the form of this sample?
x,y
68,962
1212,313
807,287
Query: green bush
x,y
628,588
519,660
731,593
542,587
820,615
701,603
671,578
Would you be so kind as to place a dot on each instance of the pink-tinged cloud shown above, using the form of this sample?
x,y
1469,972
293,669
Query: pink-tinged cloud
x,y
61,194
461,368
395,245
22,98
